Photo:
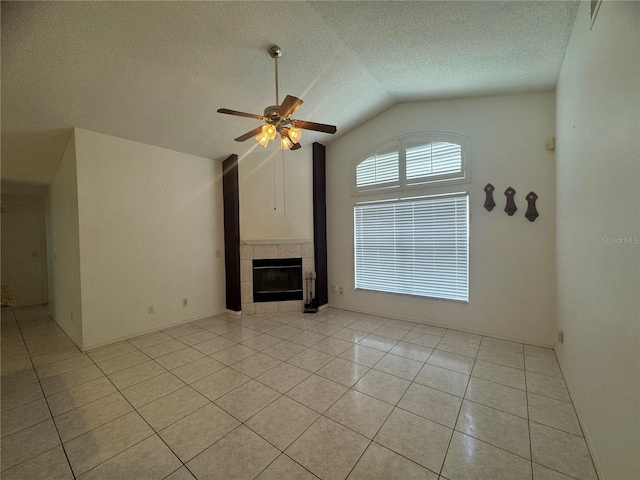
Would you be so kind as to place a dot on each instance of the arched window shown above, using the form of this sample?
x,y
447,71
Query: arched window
x,y
414,160
419,244
380,169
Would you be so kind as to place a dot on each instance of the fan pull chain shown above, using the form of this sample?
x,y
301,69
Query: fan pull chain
x,y
284,190
274,182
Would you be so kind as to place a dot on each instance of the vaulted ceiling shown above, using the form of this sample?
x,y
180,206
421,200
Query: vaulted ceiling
x,y
156,72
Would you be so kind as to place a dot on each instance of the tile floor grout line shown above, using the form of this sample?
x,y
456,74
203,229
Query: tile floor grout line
x,y
320,415
131,446
383,423
209,402
240,424
282,453
141,381
377,431
526,392
405,457
68,371
558,471
117,371
50,412
558,429
3,472
19,406
494,446
453,430
143,419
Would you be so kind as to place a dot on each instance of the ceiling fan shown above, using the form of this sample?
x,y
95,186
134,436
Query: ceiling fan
x,y
278,119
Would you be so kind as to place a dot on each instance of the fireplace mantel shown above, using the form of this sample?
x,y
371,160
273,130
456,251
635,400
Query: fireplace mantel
x,y
275,241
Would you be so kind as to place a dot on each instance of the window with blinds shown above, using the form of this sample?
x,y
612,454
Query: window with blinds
x,y
379,169
413,160
418,246
432,159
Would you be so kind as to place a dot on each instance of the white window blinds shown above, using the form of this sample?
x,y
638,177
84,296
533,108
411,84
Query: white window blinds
x,y
433,159
380,168
416,247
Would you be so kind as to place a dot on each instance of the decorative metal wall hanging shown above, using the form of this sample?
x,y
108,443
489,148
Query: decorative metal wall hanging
x,y
510,208
532,213
489,203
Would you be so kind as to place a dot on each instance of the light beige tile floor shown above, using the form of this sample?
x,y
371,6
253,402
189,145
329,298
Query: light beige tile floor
x,y
333,395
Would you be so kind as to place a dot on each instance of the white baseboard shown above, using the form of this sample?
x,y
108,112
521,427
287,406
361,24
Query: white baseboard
x,y
421,321
576,407
85,348
79,345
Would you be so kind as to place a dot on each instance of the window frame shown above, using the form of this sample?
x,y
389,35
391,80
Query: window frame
x,y
404,184
458,194
415,189
385,147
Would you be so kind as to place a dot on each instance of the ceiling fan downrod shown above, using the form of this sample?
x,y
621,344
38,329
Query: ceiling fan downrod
x,y
276,53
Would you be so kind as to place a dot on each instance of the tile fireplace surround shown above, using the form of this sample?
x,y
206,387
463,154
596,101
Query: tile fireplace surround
x,y
249,252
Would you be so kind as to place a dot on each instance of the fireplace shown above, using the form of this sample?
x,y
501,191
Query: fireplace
x,y
277,279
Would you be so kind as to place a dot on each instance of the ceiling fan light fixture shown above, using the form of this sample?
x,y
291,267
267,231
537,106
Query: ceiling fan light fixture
x,y
269,131
295,134
278,119
285,142
262,140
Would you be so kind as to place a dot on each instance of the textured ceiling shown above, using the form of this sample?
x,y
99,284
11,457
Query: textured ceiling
x,y
156,72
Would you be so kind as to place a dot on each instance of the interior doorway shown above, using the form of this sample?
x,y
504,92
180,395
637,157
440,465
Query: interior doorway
x,y
24,262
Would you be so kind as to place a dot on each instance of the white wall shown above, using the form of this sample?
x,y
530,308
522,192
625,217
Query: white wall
x,y
24,262
150,225
63,247
292,197
598,195
511,286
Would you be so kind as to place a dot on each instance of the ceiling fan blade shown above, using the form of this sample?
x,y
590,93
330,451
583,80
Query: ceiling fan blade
x,y
295,146
240,114
318,127
289,106
249,135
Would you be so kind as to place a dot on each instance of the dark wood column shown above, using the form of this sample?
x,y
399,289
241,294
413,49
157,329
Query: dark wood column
x,y
231,197
320,224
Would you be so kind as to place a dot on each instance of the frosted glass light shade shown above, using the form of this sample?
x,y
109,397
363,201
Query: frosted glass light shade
x,y
262,140
269,131
295,134
285,142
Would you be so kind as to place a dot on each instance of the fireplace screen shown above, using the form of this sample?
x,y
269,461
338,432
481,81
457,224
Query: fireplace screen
x,y
277,279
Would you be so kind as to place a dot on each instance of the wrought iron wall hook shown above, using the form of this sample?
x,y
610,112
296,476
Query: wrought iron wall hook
x,y
489,203
532,213
510,208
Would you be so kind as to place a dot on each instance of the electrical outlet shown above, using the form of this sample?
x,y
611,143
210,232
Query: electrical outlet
x,y
185,302
150,309
560,336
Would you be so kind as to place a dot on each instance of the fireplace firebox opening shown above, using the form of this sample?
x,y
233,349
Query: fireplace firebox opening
x,y
277,279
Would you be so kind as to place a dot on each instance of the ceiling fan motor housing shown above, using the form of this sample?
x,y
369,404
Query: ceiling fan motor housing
x,y
271,114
